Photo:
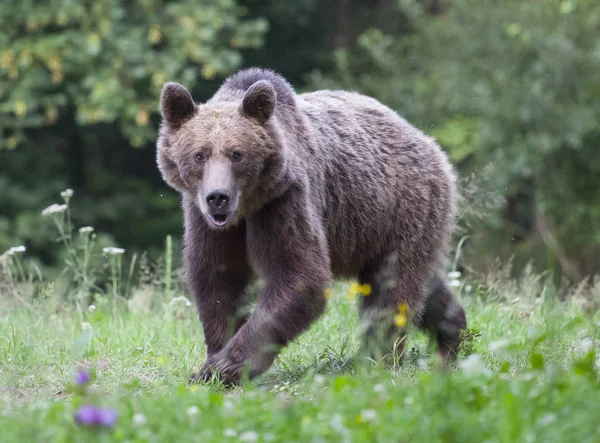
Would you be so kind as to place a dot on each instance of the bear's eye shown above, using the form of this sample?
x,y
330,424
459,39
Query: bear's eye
x,y
199,158
236,156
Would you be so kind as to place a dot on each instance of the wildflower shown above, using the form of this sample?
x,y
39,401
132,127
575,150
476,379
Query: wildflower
x,y
468,288
91,308
192,411
16,250
67,193
86,326
473,365
94,416
319,379
111,250
379,387
249,436
454,275
181,299
585,345
356,289
368,415
229,432
547,419
86,230
139,419
160,360
454,283
54,209
499,345
83,377
401,317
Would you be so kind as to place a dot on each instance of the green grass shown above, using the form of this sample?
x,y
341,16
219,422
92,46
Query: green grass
x,y
532,377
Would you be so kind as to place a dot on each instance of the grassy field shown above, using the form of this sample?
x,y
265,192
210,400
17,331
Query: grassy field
x,y
528,373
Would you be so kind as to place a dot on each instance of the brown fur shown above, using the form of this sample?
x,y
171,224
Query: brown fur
x,y
330,184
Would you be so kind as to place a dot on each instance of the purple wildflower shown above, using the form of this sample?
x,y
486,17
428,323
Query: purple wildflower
x,y
94,416
83,377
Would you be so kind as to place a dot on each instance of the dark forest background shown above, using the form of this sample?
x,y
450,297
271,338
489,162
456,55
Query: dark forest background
x,y
511,90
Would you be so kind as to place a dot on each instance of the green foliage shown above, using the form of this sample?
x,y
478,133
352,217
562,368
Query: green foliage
x,y
79,85
107,60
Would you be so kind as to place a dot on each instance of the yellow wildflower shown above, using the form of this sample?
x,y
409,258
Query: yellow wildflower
x,y
401,317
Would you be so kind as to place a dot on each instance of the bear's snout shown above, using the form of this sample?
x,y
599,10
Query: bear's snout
x,y
218,200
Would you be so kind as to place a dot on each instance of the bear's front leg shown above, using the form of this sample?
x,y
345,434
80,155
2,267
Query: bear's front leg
x,y
217,273
287,245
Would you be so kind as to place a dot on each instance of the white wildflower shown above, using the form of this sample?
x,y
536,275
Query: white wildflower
x,y
473,365
111,250
86,229
585,345
139,419
181,299
319,379
91,308
454,275
454,283
368,415
499,345
229,432
14,250
67,193
379,387
227,404
547,419
54,209
192,411
86,326
249,436
468,288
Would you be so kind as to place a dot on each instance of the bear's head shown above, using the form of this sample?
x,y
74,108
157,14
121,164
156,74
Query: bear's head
x,y
225,155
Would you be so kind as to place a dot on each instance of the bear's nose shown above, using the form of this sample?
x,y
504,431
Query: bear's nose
x,y
218,199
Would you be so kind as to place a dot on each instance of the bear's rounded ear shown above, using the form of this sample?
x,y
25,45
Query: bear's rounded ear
x,y
259,101
176,104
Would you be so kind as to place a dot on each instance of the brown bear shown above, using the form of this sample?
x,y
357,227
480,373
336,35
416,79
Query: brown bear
x,y
297,189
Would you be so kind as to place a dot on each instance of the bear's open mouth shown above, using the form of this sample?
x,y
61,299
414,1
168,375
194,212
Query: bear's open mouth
x,y
220,220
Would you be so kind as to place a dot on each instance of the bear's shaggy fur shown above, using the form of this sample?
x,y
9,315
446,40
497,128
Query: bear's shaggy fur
x,y
297,189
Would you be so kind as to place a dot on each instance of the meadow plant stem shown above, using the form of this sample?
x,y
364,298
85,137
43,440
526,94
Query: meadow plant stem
x,y
130,275
113,269
168,266
458,252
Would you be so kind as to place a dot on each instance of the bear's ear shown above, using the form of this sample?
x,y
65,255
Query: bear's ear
x,y
176,104
259,101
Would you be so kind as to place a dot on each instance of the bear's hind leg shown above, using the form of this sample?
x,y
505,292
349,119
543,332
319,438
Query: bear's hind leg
x,y
396,296
444,318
